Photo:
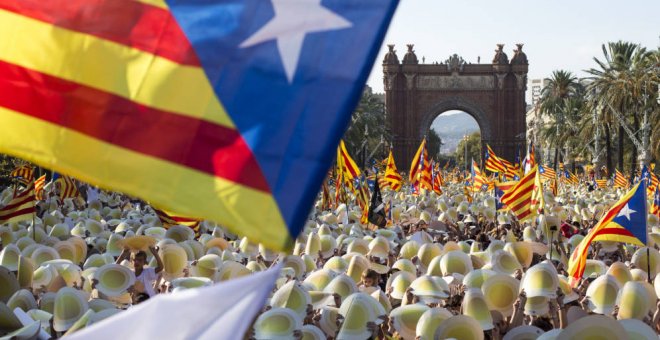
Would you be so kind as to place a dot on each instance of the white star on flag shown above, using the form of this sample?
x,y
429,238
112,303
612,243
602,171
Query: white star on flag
x,y
293,20
626,211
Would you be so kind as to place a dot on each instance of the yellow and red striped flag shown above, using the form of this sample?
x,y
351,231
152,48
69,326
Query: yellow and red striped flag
x,y
624,222
519,198
547,173
493,163
168,220
200,107
68,187
24,174
420,168
20,208
392,175
620,180
479,181
347,166
39,191
601,183
655,203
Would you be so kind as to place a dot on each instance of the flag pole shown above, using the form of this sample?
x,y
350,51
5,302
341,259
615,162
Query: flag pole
x,y
648,265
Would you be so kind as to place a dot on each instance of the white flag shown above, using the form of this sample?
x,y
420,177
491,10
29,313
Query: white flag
x,y
221,311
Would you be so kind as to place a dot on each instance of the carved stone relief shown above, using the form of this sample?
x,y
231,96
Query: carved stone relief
x,y
429,82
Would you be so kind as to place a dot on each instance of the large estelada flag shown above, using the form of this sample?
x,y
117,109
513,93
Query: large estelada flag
x,y
224,110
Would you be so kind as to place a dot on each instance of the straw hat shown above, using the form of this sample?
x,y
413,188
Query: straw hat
x,y
428,289
399,281
357,265
43,254
382,299
328,245
637,329
406,266
311,332
30,331
231,270
277,324
320,278
69,307
522,251
639,260
476,278
602,294
474,305
8,284
634,301
503,262
337,264
594,268
22,299
594,327
429,322
500,292
114,279
406,318
9,257
97,260
569,294
137,243
525,332
459,327
191,282
292,296
379,247
207,266
357,310
455,261
541,280
174,259
427,252
313,245
358,246
342,285
537,305
328,322
98,305
620,272
180,233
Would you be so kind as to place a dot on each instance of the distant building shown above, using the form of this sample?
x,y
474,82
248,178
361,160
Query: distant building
x,y
535,87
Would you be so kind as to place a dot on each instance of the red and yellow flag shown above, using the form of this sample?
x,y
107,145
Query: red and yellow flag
x,y
619,179
519,198
39,191
20,208
392,175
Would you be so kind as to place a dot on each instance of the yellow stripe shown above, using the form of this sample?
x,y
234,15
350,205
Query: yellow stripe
x,y
118,69
155,3
167,185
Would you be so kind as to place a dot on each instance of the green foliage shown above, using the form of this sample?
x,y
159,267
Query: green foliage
x,y
434,142
473,150
7,164
368,123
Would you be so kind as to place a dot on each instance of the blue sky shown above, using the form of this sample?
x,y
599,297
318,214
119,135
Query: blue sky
x,y
557,34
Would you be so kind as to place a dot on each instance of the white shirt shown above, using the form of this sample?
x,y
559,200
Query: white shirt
x,y
147,277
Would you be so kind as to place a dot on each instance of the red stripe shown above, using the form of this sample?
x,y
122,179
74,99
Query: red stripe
x,y
127,22
10,207
197,144
26,211
516,194
614,231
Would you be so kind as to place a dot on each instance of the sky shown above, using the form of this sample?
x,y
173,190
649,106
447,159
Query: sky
x,y
557,34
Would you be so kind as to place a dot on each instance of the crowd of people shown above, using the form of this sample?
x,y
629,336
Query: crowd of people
x,y
445,266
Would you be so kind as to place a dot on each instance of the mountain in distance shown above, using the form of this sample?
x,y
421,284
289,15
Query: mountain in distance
x,y
452,126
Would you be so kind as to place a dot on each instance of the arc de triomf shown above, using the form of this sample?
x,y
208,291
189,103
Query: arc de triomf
x,y
494,94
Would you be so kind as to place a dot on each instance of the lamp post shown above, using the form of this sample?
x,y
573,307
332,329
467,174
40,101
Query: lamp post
x,y
465,142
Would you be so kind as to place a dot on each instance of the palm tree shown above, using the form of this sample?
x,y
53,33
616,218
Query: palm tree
x,y
561,86
618,86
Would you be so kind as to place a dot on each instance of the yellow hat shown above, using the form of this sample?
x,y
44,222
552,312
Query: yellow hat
x,y
174,259
523,332
639,259
180,233
328,245
98,305
541,280
476,278
277,324
22,299
406,318
69,307
342,285
503,262
357,310
320,278
428,289
537,305
81,323
455,261
406,266
569,294
292,296
137,243
66,250
637,329
522,251
328,322
358,245
337,264
634,301
43,254
207,266
474,305
399,281
620,272
8,284
47,302
357,265
602,294
60,230
9,257
311,332
313,245
429,322
594,327
231,270
80,247
459,327
638,274
97,260
114,279
379,247
500,292
594,268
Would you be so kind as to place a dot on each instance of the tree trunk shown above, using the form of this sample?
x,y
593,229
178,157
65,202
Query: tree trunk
x,y
620,146
633,160
608,148
556,159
